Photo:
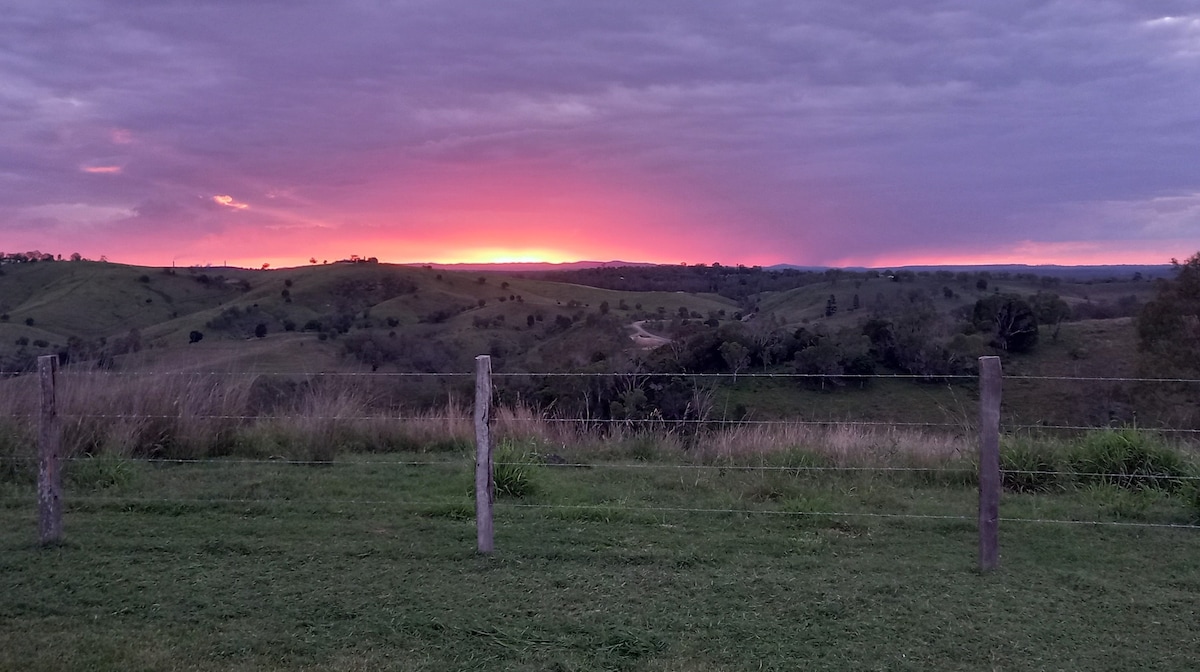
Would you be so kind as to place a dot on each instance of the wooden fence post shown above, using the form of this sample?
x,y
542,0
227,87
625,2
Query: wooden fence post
x,y
50,529
485,488
990,377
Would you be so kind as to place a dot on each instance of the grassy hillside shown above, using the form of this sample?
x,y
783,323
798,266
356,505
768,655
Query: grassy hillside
x,y
92,310
375,317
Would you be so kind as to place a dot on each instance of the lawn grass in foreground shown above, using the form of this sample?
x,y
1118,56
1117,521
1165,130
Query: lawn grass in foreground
x,y
364,565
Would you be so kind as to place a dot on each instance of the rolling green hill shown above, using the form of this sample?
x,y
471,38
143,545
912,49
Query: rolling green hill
x,y
831,325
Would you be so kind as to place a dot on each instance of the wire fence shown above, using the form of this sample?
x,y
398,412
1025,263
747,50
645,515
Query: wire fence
x,y
695,461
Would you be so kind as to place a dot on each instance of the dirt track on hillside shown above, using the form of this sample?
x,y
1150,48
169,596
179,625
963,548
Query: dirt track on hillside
x,y
645,339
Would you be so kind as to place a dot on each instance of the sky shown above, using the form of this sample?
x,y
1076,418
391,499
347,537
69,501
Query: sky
x,y
822,132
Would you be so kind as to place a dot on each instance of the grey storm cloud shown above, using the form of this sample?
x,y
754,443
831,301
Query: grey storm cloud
x,y
855,127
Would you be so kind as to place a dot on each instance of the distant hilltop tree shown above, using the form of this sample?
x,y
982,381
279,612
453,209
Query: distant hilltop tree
x,y
25,257
1169,325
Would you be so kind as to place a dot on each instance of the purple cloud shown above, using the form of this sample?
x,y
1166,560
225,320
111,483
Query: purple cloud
x,y
805,132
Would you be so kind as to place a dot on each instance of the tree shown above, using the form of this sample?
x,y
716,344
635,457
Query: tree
x,y
1169,325
1010,319
260,330
823,359
1050,309
736,356
195,337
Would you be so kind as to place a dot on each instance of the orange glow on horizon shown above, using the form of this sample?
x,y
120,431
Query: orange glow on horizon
x,y
1029,253
101,170
509,256
453,256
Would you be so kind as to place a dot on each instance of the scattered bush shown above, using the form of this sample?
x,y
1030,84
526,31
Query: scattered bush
x,y
514,470
99,473
1127,458
16,456
1029,466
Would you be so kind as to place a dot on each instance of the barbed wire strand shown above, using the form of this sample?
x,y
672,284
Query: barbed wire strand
x,y
464,462
1093,474
600,508
839,514
631,422
625,374
268,500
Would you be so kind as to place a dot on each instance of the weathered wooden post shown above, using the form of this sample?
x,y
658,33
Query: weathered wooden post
x,y
485,488
50,529
990,377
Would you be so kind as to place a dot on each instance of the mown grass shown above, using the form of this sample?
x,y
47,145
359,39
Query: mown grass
x,y
619,564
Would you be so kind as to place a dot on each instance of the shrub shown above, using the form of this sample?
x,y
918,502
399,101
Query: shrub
x,y
1127,458
514,470
1028,466
1193,497
17,464
99,473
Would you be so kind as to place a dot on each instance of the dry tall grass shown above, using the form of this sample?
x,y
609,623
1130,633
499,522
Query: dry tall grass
x,y
196,416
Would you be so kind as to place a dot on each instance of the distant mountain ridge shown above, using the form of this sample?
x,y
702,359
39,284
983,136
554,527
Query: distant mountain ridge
x,y
1083,272
531,266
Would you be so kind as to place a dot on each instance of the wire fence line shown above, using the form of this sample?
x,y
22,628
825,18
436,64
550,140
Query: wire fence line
x,y
609,374
740,498
97,499
626,422
600,508
844,514
634,466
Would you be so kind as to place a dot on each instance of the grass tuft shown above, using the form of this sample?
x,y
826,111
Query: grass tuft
x,y
1027,465
515,470
1127,458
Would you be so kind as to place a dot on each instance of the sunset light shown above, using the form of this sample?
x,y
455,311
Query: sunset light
x,y
441,134
691,294
228,202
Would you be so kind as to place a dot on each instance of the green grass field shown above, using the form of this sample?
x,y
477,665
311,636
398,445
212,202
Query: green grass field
x,y
369,563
